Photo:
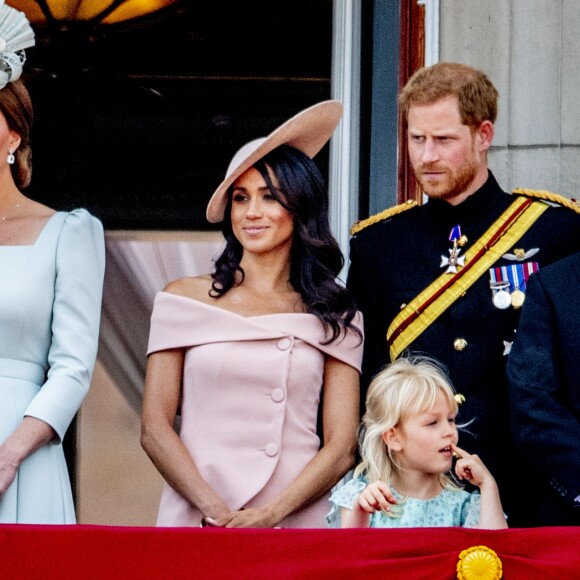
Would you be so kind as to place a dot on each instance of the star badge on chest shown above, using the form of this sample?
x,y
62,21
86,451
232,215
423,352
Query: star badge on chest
x,y
507,347
452,261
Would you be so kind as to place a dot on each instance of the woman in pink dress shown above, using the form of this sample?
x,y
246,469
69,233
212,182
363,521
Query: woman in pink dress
x,y
255,352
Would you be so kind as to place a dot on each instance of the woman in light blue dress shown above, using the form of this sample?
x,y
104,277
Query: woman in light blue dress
x,y
52,266
408,441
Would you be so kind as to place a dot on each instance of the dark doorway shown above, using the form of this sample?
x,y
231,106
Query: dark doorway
x,y
137,121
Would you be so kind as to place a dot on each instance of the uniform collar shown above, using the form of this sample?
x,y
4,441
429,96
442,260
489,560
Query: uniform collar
x,y
477,205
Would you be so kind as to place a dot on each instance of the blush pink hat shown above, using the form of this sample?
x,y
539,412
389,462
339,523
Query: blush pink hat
x,y
307,131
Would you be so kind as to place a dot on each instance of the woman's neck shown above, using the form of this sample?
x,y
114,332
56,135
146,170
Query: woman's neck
x,y
266,273
9,193
417,485
265,289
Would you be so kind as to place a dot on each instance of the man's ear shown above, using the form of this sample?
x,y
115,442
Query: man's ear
x,y
392,439
485,133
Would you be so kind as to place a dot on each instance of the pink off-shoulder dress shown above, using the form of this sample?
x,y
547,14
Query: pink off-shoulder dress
x,y
251,391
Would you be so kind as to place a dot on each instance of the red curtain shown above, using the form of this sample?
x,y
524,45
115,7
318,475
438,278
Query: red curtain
x,y
432,553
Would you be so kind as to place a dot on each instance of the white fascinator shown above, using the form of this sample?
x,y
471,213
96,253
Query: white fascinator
x,y
16,34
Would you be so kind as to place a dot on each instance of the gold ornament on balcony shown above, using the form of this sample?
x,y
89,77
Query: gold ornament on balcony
x,y
479,563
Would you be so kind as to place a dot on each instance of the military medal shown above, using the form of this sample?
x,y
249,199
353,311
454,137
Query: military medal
x,y
508,283
517,298
518,275
454,258
501,296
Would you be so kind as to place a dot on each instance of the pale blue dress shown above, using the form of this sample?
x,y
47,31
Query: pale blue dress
x,y
451,508
50,303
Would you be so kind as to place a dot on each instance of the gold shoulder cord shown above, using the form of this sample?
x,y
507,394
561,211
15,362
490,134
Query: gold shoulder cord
x,y
549,196
383,215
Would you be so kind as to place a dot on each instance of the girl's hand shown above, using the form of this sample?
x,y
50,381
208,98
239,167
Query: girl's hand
x,y
376,496
471,468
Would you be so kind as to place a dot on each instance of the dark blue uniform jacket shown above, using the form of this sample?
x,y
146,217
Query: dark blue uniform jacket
x,y
544,380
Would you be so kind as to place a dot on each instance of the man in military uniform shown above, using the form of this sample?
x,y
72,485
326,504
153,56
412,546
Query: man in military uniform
x,y
447,278
544,380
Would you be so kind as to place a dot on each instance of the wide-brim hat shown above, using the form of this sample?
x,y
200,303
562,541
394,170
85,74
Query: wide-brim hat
x,y
307,131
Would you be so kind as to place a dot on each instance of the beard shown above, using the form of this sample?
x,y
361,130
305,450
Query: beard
x,y
449,183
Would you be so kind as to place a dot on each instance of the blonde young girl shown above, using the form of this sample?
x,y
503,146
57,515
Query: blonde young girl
x,y
408,441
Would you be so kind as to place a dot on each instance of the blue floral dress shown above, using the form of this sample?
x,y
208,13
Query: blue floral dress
x,y
449,509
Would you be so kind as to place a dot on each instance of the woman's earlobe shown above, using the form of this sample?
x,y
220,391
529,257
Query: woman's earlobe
x,y
15,140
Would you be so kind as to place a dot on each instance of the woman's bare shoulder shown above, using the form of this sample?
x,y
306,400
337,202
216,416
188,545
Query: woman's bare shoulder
x,y
195,287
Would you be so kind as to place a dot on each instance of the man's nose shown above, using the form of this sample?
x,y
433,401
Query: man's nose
x,y
430,152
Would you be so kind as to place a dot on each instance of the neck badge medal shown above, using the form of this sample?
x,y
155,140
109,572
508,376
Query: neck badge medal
x,y
454,260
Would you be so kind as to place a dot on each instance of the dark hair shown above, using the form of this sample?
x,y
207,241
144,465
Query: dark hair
x,y
16,106
475,93
316,259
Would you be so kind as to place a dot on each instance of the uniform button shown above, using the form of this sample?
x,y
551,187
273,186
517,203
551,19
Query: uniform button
x,y
278,395
271,449
459,344
284,343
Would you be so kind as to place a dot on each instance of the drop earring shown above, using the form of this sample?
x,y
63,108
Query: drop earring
x,y
10,158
